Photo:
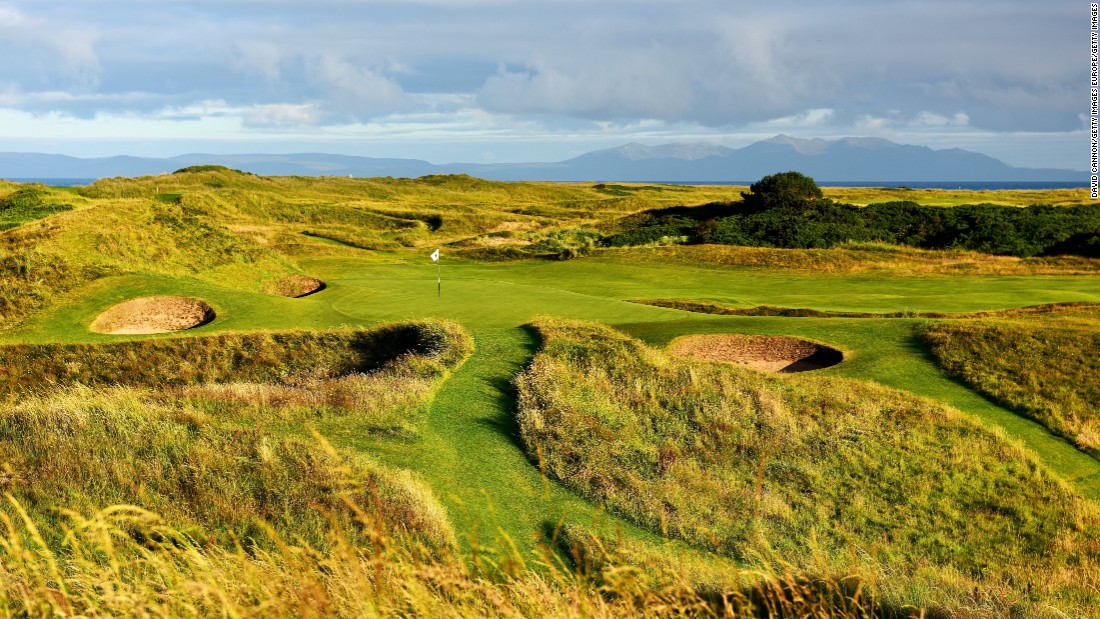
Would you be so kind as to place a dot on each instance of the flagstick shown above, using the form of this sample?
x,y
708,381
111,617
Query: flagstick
x,y
438,279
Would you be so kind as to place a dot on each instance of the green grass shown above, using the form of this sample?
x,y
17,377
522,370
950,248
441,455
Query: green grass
x,y
467,449
1047,369
752,466
29,203
197,434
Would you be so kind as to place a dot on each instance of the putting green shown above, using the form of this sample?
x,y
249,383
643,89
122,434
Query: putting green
x,y
470,451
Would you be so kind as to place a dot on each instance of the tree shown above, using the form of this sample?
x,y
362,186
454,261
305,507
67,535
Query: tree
x,y
783,190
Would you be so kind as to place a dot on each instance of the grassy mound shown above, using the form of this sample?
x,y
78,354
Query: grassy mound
x,y
280,358
808,472
42,260
85,449
1049,369
29,203
210,434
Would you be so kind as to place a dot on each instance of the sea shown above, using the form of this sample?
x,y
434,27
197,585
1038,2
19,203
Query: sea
x,y
972,186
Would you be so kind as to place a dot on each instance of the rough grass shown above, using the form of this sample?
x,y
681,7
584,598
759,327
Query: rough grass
x,y
1047,369
43,260
862,258
725,309
410,212
949,197
221,459
125,561
31,202
262,357
806,472
86,449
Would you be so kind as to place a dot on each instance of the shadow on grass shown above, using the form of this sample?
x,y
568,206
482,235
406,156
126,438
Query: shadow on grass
x,y
506,397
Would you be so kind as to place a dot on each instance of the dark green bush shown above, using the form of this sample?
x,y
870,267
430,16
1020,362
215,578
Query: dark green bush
x,y
787,211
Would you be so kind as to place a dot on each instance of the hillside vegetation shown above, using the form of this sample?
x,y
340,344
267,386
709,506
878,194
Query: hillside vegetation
x,y
788,210
1048,369
329,456
199,433
249,232
804,471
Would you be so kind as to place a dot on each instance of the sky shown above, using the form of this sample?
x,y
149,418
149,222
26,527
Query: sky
x,y
492,81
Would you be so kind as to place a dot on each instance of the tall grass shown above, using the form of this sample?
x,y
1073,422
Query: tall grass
x,y
861,258
285,358
725,309
807,472
212,453
1047,369
31,202
126,561
84,449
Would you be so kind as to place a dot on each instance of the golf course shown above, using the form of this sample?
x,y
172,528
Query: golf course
x,y
328,421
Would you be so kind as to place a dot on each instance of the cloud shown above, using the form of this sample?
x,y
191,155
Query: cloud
x,y
282,115
620,67
353,92
639,85
262,58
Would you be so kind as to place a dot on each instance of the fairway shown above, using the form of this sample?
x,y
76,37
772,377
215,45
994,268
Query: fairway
x,y
523,416
500,309
470,450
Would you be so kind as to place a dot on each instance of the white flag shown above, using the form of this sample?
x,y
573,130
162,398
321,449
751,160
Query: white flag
x,y
435,255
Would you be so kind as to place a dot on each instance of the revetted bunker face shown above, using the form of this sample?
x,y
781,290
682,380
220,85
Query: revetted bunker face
x,y
154,315
294,286
769,353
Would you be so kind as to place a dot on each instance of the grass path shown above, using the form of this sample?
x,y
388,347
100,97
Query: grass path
x,y
471,453
469,450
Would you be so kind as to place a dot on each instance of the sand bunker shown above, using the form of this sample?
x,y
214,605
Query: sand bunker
x,y
153,315
770,353
294,286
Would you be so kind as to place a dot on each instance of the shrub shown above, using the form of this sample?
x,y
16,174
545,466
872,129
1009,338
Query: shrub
x,y
783,190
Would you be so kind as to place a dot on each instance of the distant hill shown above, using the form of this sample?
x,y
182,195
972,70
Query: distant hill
x,y
871,160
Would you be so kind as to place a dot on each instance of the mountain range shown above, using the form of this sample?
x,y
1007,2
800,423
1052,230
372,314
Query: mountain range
x,y
871,160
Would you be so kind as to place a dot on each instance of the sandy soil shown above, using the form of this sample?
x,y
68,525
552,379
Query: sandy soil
x,y
153,315
769,353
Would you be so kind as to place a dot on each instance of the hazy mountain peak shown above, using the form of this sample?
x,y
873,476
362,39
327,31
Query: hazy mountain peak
x,y
868,142
847,159
686,151
815,146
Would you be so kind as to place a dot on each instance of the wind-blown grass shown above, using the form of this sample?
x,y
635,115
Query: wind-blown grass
x,y
127,561
85,449
755,466
1047,369
285,358
863,258
217,460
